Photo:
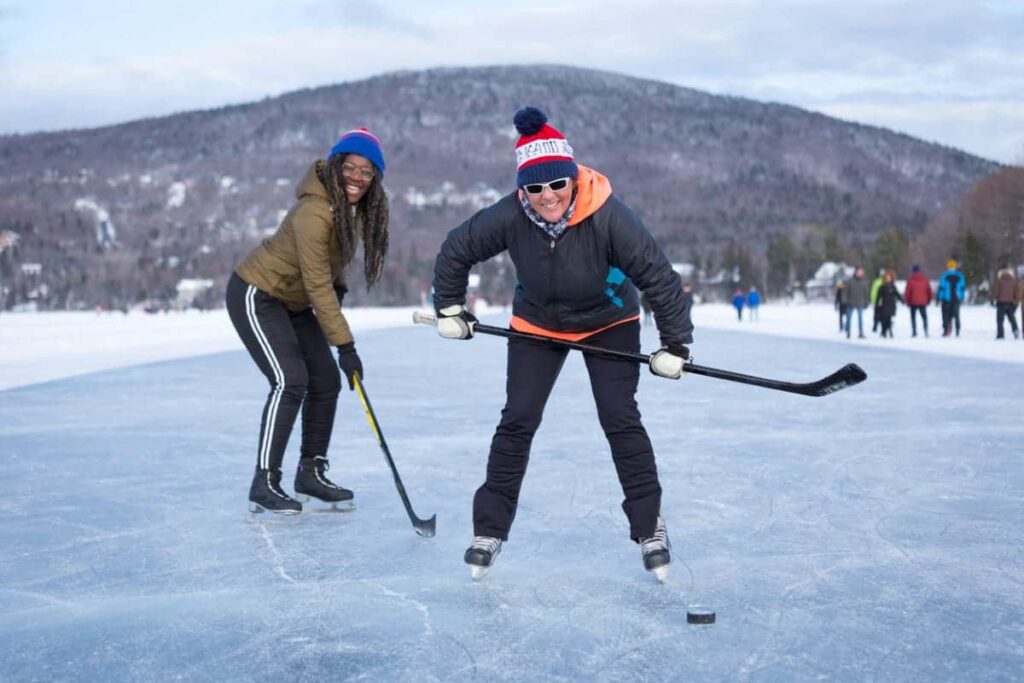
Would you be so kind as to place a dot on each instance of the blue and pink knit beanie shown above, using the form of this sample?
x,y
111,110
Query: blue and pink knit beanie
x,y
542,152
362,142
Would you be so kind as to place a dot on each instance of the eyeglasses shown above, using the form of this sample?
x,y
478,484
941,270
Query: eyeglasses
x,y
554,186
357,171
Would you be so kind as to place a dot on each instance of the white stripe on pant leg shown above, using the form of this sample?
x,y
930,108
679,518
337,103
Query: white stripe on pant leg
x,y
275,399
274,403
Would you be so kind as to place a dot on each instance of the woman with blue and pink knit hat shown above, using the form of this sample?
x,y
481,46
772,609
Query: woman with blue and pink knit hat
x,y
285,301
580,257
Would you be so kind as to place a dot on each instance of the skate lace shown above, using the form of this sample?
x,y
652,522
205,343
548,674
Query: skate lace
x,y
274,484
320,468
659,541
488,543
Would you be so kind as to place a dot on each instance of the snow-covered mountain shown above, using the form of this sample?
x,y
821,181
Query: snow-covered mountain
x,y
702,170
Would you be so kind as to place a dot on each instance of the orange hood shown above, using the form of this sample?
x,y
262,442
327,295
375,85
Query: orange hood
x,y
592,191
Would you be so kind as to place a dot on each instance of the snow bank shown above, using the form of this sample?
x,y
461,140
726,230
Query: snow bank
x,y
820,321
40,347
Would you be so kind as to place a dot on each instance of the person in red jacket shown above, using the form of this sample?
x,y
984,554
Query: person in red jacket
x,y
917,295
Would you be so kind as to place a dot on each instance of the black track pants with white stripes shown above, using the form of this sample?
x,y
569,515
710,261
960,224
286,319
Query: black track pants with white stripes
x,y
532,370
292,352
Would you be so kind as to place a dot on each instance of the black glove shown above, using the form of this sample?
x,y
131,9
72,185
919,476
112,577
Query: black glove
x,y
348,361
340,291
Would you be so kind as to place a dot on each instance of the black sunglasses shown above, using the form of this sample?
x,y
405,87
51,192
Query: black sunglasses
x,y
554,186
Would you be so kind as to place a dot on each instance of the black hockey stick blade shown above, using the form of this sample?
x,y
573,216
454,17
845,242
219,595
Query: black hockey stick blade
x,y
426,527
846,376
423,527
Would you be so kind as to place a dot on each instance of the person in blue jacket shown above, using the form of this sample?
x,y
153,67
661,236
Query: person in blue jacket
x,y
580,255
753,302
950,294
738,301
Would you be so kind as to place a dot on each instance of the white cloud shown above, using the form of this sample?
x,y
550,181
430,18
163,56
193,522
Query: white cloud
x,y
906,64
990,128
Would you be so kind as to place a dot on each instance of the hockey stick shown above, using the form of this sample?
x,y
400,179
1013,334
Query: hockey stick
x,y
846,376
424,527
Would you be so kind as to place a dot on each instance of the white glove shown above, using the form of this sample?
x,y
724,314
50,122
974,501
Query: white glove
x,y
455,322
669,361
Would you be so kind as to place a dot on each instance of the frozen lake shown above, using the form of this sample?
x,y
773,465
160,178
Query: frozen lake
x,y
875,534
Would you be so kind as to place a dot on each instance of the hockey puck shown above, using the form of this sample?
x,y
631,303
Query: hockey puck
x,y
700,616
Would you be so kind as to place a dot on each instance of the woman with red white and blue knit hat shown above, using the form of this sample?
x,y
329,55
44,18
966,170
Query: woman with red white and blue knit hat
x,y
580,256
285,301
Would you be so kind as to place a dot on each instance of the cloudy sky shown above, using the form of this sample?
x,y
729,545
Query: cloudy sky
x,y
948,71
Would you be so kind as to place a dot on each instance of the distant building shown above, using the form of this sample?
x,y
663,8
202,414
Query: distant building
x,y
190,289
823,285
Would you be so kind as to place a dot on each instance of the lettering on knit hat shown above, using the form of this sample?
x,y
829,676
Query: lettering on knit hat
x,y
553,147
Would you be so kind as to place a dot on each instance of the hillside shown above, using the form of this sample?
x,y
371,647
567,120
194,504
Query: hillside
x,y
123,212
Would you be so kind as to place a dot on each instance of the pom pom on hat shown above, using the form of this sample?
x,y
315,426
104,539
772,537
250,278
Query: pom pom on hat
x,y
362,142
529,120
542,152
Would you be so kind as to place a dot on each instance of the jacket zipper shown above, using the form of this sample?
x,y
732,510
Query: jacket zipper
x,y
552,307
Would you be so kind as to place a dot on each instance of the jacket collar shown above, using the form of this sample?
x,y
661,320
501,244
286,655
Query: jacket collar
x,y
592,191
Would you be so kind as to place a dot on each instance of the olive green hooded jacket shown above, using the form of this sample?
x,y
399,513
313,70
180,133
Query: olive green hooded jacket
x,y
301,264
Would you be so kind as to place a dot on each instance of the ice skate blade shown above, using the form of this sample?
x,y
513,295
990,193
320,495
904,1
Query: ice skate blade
x,y
323,508
258,509
333,505
661,573
477,572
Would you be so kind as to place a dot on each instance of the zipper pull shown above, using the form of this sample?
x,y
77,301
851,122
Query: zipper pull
x,y
552,245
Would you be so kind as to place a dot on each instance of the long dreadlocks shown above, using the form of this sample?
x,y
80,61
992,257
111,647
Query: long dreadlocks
x,y
371,211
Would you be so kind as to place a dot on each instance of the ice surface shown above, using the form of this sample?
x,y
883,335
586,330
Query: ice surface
x,y
874,534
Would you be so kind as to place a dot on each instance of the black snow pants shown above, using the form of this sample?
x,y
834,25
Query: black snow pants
x,y
914,310
950,316
292,352
532,370
1004,311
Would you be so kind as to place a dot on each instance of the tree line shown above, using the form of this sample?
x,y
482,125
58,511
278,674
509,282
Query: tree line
x,y
983,231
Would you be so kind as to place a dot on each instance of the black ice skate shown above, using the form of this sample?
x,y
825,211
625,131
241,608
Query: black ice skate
x,y
311,482
265,494
657,551
481,554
